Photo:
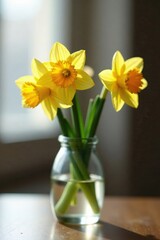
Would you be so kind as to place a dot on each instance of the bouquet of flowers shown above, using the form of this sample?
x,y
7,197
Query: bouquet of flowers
x,y
54,85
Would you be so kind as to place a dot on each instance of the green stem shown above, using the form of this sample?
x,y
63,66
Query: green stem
x,y
61,122
64,124
104,92
77,118
95,113
95,120
69,193
66,198
81,178
89,110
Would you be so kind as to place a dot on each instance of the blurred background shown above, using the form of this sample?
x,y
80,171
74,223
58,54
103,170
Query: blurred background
x,y
129,141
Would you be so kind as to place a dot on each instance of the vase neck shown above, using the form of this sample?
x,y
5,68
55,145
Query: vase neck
x,y
70,141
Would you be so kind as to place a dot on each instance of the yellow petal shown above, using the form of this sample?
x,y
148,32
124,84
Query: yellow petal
x,y
107,78
46,80
19,82
38,69
59,52
144,84
50,109
48,65
130,99
78,59
24,105
61,102
66,106
117,63
117,101
133,63
65,95
83,80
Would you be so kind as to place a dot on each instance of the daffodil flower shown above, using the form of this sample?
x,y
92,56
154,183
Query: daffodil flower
x,y
124,81
66,71
38,89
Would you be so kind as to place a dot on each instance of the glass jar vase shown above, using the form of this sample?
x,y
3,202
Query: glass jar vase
x,y
77,182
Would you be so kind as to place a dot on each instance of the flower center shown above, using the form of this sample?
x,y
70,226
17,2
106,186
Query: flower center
x,y
66,73
133,81
34,94
63,74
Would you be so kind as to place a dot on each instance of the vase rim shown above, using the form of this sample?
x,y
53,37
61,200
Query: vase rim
x,y
62,138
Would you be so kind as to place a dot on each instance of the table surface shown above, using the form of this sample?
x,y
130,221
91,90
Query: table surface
x,y
29,217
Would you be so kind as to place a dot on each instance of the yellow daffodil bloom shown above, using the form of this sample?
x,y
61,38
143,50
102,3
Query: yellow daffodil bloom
x,y
38,89
66,71
124,81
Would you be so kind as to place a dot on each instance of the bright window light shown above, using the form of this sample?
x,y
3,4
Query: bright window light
x,y
26,26
28,30
20,9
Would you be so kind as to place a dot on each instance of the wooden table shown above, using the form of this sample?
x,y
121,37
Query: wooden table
x,y
29,217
